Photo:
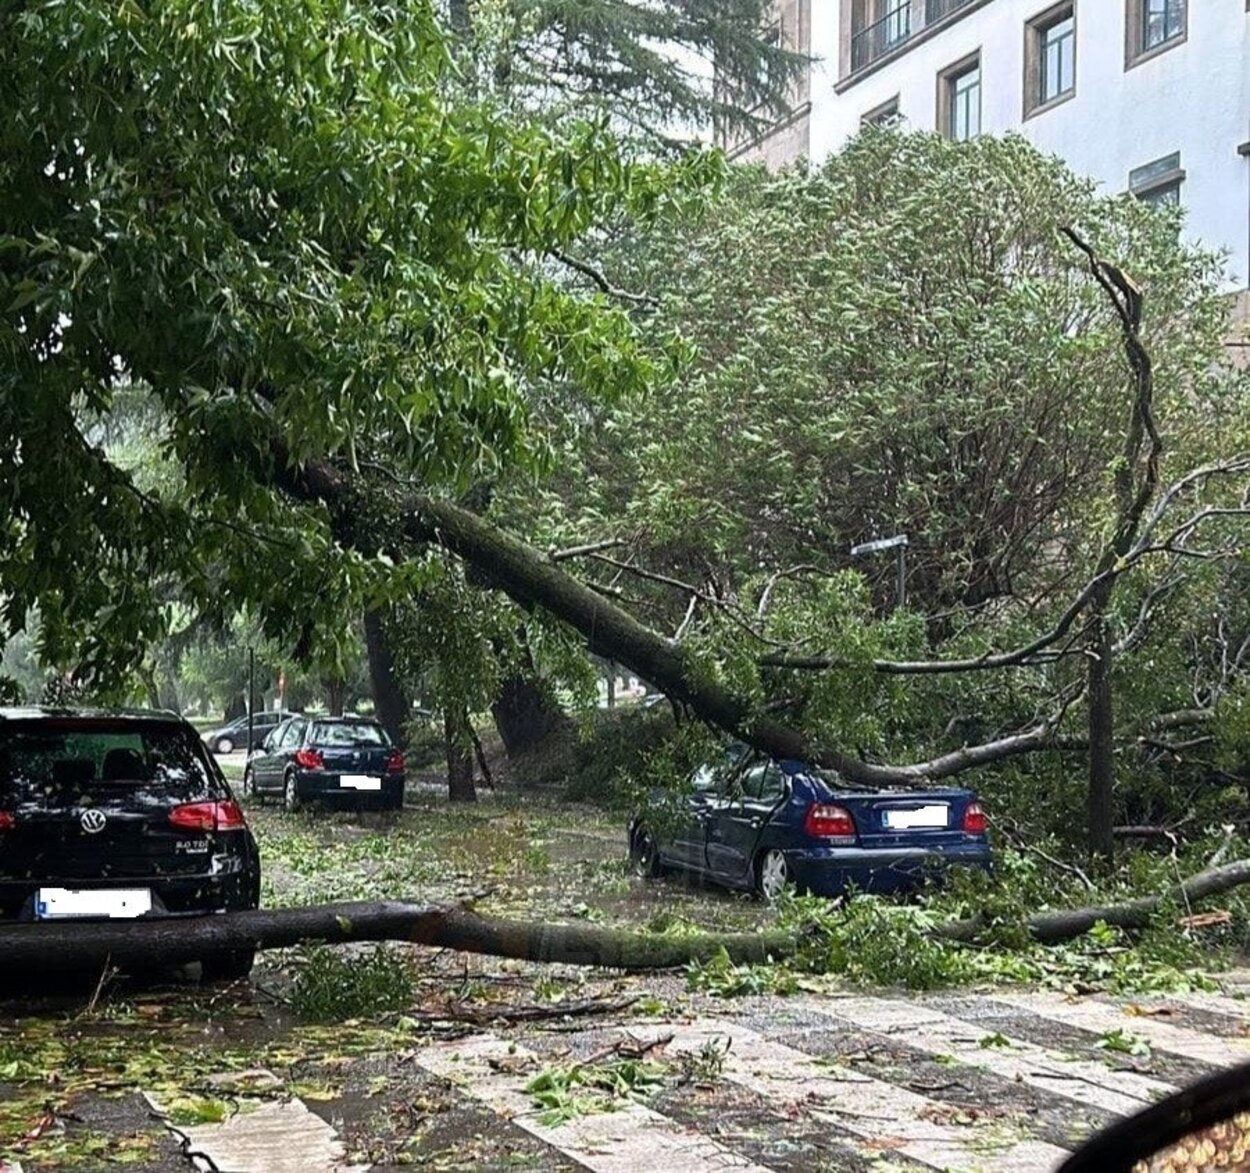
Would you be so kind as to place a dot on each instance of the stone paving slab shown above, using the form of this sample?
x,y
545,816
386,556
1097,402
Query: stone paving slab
x,y
277,1136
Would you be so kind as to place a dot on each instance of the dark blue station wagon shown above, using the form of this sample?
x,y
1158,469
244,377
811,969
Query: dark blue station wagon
x,y
763,825
338,761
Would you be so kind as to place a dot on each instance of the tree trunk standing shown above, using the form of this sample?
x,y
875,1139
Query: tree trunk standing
x,y
1135,480
334,696
148,679
1101,796
525,711
390,701
525,714
459,747
236,706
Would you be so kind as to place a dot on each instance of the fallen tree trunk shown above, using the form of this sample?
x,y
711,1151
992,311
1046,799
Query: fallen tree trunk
x,y
66,945
1062,925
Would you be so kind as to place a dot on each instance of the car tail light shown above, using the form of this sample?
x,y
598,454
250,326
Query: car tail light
x,y
826,821
309,759
8,821
208,816
975,821
394,762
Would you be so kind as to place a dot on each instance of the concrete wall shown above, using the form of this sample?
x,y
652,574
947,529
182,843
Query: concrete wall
x,y
1193,98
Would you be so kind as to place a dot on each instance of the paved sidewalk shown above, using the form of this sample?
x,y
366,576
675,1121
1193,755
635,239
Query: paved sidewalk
x,y
1002,1081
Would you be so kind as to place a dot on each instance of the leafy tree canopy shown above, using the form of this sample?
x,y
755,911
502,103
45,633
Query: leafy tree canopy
x,y
271,219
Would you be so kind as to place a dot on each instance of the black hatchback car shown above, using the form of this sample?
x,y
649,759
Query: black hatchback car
x,y
339,761
116,815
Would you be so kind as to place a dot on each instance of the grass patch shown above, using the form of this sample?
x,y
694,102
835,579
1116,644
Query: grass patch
x,y
335,984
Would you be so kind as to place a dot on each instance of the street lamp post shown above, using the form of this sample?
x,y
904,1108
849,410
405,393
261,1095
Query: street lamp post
x,y
898,544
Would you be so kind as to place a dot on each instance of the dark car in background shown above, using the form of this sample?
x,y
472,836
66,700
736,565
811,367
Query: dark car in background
x,y
339,761
764,825
234,735
117,815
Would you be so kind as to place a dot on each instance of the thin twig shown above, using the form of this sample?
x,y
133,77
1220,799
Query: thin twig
x,y
106,972
588,270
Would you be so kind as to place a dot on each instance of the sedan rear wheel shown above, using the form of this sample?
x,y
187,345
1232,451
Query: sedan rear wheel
x,y
225,745
645,854
290,794
772,875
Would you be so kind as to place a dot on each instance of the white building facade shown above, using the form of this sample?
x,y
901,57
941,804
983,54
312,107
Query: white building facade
x,y
1148,96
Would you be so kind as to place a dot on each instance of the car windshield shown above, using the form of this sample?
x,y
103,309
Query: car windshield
x,y
345,734
57,762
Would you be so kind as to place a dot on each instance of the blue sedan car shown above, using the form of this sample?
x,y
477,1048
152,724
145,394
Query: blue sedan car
x,y
763,825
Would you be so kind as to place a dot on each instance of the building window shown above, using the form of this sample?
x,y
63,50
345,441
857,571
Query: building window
x,y
935,10
884,115
1050,57
1158,183
1153,26
1163,21
959,99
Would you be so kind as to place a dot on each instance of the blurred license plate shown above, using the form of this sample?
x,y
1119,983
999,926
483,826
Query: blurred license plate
x,y
118,903
360,781
937,815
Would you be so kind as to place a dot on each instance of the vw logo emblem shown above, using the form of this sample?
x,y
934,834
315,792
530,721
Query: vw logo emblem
x,y
92,820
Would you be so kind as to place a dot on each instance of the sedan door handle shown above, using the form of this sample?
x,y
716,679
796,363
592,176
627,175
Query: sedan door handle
x,y
756,824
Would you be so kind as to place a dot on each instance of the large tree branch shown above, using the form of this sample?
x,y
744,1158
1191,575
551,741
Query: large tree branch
x,y
1231,467
528,577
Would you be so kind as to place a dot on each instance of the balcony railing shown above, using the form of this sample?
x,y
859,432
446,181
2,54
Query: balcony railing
x,y
935,10
880,37
895,27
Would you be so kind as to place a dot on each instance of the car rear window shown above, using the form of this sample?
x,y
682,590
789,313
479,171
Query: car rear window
x,y
57,761
344,734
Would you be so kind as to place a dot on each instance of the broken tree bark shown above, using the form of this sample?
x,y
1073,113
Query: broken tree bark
x,y
66,945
